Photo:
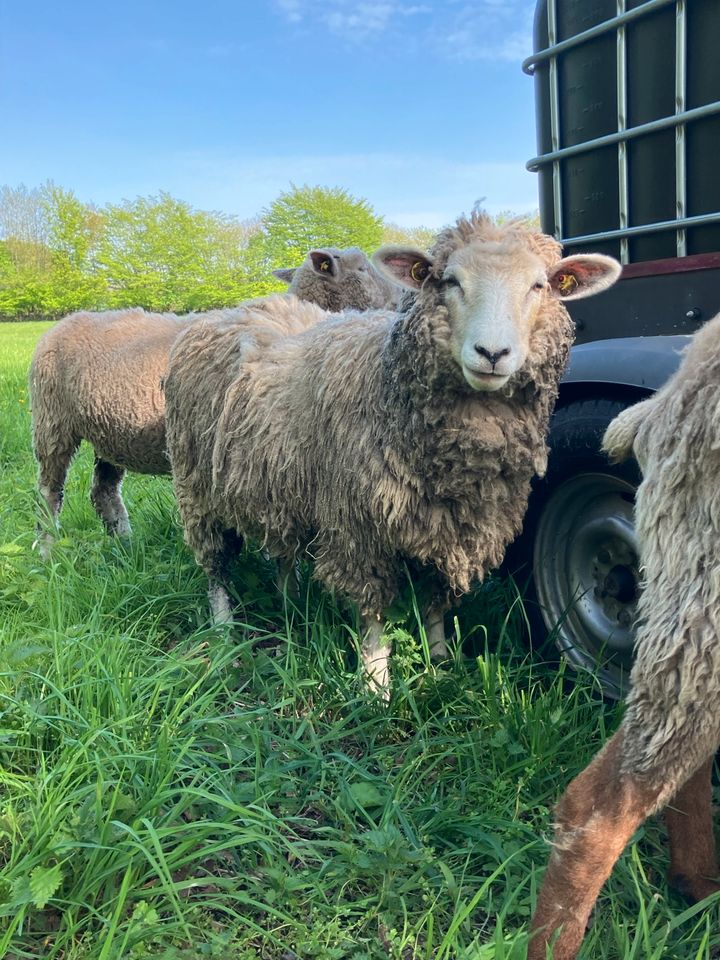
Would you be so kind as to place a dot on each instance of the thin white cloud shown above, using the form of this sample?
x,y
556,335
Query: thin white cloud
x,y
499,30
490,30
292,10
360,20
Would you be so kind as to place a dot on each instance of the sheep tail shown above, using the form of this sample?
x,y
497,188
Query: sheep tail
x,y
619,438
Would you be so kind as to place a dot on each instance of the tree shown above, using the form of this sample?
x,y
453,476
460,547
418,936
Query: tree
x,y
307,217
420,237
161,254
23,227
74,231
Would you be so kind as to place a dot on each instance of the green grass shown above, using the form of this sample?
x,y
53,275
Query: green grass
x,y
171,790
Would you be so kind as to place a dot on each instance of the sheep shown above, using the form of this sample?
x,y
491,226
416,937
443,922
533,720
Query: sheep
x,y
663,750
97,377
372,440
337,279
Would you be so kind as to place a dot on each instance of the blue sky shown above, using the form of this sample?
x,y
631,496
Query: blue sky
x,y
420,107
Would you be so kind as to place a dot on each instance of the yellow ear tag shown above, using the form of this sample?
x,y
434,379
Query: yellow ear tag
x,y
325,265
419,271
567,283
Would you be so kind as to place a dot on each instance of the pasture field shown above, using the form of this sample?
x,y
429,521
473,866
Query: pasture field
x,y
171,790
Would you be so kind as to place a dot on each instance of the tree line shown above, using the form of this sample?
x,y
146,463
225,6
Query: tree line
x,y
59,254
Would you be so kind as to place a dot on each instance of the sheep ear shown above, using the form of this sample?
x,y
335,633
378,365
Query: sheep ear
x,y
404,265
323,262
285,274
583,275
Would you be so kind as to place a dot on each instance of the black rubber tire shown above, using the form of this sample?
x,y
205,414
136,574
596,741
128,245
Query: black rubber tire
x,y
578,542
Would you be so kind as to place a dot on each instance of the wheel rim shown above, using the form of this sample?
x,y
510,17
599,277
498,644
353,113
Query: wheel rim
x,y
586,573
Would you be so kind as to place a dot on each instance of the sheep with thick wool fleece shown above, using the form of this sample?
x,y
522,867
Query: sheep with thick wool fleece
x,y
662,754
371,440
97,377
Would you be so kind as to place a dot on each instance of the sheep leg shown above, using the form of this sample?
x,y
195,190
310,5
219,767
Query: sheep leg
x,y
216,562
287,578
435,631
220,605
693,860
375,651
54,458
105,496
595,819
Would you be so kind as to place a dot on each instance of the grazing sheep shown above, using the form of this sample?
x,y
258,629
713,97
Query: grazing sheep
x,y
371,440
97,377
663,751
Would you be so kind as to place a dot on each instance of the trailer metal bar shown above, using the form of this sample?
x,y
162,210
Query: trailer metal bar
x,y
657,227
687,116
555,118
680,103
621,86
597,31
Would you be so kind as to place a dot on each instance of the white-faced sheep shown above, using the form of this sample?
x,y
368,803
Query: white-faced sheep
x,y
97,377
663,750
371,440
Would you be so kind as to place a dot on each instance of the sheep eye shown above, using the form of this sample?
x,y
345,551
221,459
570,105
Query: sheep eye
x,y
419,271
451,281
540,285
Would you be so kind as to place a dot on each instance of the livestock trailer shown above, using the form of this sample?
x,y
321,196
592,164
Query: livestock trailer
x,y
628,131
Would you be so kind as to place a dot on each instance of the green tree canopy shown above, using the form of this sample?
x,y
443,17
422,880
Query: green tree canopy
x,y
162,254
59,254
420,237
307,217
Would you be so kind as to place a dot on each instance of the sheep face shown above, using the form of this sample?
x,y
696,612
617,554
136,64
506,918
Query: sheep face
x,y
493,294
340,279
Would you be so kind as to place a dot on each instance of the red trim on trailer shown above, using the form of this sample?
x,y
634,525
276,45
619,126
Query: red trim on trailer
x,y
656,268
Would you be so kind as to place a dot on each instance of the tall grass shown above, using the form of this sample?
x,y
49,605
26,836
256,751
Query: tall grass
x,y
172,790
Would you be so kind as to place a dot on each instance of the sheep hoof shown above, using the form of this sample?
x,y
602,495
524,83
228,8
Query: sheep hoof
x,y
693,889
44,544
122,528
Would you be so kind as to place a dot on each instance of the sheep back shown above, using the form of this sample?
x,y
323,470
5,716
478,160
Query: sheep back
x,y
97,376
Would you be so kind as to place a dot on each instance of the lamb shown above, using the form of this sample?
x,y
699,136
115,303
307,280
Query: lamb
x,y
97,377
663,750
373,440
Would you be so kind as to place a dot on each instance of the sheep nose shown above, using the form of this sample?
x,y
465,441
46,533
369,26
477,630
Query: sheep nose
x,y
492,357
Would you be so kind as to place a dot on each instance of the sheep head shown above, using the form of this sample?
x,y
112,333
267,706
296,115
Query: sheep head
x,y
340,279
493,291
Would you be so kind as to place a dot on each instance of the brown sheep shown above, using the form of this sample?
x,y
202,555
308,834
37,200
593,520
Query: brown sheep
x,y
662,754
97,377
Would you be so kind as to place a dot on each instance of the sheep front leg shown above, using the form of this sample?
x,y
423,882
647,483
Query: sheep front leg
x,y
595,819
435,631
220,605
54,452
214,547
287,578
375,651
106,497
693,860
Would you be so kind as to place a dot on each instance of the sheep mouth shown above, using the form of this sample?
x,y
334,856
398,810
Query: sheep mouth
x,y
485,380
